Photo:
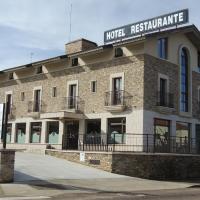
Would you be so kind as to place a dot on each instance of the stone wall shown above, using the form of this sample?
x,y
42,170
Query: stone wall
x,y
143,165
7,160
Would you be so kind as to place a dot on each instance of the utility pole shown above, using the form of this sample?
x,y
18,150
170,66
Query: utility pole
x,y
4,124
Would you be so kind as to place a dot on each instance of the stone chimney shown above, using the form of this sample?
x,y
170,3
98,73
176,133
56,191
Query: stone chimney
x,y
79,45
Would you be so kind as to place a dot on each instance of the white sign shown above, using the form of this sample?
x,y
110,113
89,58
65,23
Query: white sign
x,y
1,117
82,157
147,26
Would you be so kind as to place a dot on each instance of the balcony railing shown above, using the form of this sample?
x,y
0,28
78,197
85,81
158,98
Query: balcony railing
x,y
117,98
72,103
36,106
165,99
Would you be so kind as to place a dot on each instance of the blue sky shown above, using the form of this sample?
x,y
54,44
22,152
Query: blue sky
x,y
42,26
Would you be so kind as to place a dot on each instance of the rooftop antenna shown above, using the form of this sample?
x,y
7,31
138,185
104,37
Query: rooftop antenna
x,y
31,56
70,22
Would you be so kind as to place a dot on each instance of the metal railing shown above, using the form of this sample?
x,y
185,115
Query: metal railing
x,y
118,97
36,106
73,102
149,143
165,99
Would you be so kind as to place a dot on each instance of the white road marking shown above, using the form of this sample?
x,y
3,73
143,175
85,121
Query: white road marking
x,y
24,198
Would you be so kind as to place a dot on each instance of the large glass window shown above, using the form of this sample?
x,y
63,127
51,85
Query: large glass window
x,y
182,137
93,131
20,133
53,132
36,132
116,130
184,81
9,133
162,48
162,135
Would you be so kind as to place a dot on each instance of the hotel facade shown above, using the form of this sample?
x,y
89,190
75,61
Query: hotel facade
x,y
140,94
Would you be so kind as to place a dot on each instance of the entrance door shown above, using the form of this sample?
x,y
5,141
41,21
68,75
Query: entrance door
x,y
72,129
198,138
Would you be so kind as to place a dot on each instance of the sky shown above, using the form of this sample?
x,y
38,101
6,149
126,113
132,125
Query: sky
x,y
32,30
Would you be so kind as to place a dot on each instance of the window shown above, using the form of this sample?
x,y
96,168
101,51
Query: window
x,y
53,132
37,101
36,128
39,70
163,92
183,137
22,96
9,133
162,135
11,76
74,62
72,99
118,52
116,130
117,95
199,61
93,86
54,92
184,81
162,48
20,133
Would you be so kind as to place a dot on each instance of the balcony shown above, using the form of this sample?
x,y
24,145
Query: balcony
x,y
165,99
35,108
117,101
72,104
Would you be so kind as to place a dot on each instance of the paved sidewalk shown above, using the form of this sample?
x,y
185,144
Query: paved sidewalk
x,y
39,175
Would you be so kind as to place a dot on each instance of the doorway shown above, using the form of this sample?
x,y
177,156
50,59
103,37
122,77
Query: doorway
x,y
71,135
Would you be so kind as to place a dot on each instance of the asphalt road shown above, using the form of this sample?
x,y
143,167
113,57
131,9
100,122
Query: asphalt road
x,y
182,194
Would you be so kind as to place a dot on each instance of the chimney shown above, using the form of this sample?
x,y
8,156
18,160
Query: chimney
x,y
79,45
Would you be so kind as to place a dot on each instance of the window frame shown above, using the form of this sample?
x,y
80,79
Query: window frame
x,y
93,88
162,48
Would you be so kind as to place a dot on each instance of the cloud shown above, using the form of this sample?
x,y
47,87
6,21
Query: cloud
x,y
42,26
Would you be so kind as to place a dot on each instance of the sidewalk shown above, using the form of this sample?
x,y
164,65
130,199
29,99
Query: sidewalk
x,y
39,175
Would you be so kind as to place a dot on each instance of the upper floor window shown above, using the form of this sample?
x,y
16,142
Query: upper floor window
x,y
37,101
184,81
22,96
163,92
54,92
11,76
162,48
39,70
74,61
118,52
93,86
199,61
9,103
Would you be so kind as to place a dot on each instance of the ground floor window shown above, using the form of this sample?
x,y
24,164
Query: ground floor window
x,y
183,137
161,135
36,128
53,132
20,133
9,133
93,131
116,130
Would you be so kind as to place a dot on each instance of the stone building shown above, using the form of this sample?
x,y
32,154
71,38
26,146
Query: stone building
x,y
140,94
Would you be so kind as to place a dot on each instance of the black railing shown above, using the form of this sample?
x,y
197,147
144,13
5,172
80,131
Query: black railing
x,y
36,106
73,102
118,97
165,99
149,143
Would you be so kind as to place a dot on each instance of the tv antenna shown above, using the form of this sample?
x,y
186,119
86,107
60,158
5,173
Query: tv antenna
x,y
70,22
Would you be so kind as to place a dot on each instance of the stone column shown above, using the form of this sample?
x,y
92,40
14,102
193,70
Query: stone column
x,y
13,133
61,131
104,129
44,132
81,131
28,132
